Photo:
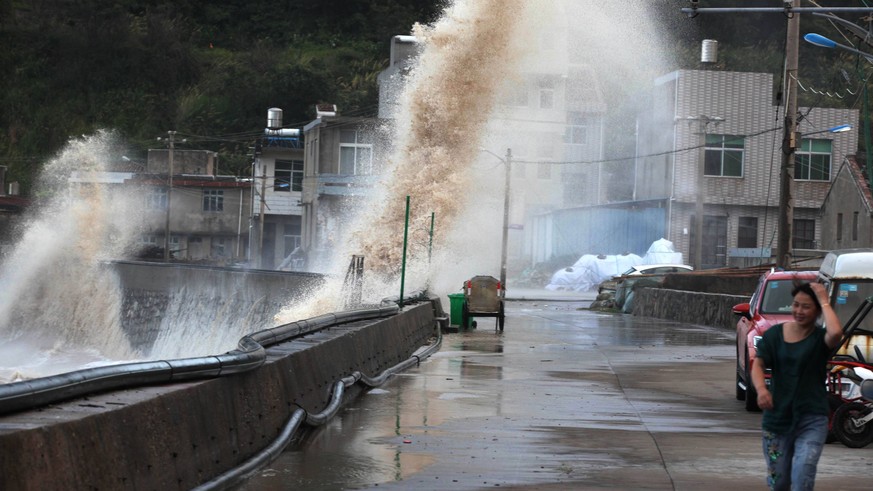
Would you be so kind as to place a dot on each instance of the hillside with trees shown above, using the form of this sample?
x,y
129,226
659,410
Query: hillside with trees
x,y
143,67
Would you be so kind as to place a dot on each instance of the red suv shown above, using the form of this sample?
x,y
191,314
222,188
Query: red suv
x,y
769,305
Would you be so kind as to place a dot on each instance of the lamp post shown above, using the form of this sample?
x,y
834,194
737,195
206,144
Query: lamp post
x,y
507,162
703,122
171,140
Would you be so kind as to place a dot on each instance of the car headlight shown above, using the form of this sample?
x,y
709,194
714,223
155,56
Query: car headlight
x,y
755,341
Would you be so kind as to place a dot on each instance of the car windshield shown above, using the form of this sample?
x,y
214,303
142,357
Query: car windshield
x,y
777,297
848,296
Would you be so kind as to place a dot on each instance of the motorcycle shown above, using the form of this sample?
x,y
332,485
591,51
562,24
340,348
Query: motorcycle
x,y
851,384
851,421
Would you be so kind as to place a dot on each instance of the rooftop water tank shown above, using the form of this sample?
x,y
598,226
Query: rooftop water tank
x,y
274,118
709,51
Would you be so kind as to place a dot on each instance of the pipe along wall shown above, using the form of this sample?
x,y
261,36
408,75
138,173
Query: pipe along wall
x,y
208,434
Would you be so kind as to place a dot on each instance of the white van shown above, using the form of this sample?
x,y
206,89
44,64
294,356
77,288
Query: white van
x,y
848,274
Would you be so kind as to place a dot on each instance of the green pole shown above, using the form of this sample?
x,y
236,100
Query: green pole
x,y
430,244
403,262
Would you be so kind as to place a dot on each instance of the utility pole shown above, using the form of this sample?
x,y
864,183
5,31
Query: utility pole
x,y
789,144
703,122
171,140
503,253
261,217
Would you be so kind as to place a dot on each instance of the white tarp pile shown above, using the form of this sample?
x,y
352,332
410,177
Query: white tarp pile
x,y
662,252
590,271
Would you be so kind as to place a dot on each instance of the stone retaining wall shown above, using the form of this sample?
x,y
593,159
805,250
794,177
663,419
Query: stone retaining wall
x,y
709,309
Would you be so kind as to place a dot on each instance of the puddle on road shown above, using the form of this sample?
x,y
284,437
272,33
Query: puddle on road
x,y
533,404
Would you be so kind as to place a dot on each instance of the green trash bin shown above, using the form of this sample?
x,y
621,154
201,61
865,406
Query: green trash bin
x,y
456,303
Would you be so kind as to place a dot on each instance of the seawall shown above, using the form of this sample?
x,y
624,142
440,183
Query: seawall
x,y
709,309
159,297
180,435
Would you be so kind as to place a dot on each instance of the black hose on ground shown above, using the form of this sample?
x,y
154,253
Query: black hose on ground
x,y
250,354
235,476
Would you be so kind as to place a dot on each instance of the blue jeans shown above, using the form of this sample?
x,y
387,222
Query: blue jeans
x,y
792,458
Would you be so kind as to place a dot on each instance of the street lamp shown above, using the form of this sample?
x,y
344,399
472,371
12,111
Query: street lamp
x,y
842,128
503,252
819,40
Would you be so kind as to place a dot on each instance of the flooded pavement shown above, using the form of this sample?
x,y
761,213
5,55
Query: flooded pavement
x,y
564,398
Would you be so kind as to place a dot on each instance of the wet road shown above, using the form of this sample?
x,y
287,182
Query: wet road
x,y
565,398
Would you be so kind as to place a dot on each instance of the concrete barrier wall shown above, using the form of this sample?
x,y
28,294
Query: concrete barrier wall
x,y
162,296
181,435
709,309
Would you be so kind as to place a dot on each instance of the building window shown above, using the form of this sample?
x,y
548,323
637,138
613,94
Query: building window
x,y
547,93
292,238
356,153
812,161
747,232
577,129
213,200
724,156
157,199
148,240
855,226
804,234
289,175
839,226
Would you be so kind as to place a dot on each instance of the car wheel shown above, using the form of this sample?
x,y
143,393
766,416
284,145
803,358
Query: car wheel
x,y
751,393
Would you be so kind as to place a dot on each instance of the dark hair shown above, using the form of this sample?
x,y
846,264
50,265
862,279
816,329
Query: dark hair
x,y
805,288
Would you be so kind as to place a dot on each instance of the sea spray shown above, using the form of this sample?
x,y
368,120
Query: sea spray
x,y
448,97
56,293
479,52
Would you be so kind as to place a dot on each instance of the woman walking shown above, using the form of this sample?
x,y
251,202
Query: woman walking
x,y
795,405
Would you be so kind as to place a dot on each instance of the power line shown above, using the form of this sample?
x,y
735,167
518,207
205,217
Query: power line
x,y
623,159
